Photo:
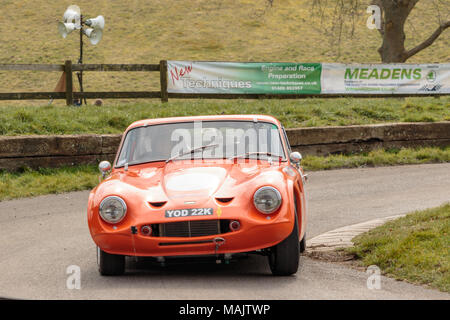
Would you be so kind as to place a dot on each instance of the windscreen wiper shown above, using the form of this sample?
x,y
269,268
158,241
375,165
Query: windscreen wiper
x,y
247,154
192,151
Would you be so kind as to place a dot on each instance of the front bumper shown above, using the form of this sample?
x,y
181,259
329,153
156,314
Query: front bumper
x,y
126,243
256,232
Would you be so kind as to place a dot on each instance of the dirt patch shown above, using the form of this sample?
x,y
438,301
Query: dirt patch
x,y
339,256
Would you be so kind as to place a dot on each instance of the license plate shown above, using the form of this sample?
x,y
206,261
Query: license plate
x,y
178,213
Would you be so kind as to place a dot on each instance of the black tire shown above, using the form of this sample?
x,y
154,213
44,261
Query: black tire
x,y
110,264
303,244
284,257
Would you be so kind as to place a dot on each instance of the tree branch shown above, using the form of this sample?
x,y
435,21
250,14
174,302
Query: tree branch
x,y
428,41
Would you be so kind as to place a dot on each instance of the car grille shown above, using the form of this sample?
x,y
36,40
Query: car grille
x,y
188,229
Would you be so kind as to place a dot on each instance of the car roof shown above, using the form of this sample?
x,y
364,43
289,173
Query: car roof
x,y
241,117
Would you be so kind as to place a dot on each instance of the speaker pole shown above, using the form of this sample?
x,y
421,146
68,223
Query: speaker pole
x,y
80,61
72,19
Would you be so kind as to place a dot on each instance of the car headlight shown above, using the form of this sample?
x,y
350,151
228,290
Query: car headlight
x,y
267,200
113,209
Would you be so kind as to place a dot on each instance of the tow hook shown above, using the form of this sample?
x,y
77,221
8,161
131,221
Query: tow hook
x,y
218,241
133,232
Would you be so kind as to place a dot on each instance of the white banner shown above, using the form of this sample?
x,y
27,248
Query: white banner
x,y
307,78
385,78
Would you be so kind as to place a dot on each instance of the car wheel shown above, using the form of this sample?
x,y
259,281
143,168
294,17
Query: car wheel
x,y
110,264
303,244
284,257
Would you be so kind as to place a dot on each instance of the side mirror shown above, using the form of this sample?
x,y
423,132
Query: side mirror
x,y
104,168
295,157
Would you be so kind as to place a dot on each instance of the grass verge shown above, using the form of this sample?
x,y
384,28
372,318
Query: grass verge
x,y
46,181
414,248
114,118
31,183
379,157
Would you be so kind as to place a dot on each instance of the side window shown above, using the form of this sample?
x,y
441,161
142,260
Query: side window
x,y
287,140
127,148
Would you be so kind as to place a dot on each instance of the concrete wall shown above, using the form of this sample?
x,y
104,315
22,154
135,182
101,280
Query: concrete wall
x,y
53,151
331,140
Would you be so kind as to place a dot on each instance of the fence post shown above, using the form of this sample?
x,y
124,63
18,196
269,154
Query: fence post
x,y
163,80
69,82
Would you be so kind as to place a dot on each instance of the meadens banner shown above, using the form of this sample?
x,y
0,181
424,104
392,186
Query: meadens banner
x,y
306,78
385,78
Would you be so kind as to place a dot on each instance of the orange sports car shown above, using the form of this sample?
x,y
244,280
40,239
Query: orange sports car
x,y
201,186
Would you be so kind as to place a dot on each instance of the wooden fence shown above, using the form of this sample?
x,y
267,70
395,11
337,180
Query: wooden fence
x,y
69,95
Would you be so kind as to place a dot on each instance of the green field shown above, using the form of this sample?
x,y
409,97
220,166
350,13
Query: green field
x,y
139,31
413,248
114,118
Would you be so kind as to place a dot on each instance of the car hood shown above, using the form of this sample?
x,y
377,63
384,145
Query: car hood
x,y
178,181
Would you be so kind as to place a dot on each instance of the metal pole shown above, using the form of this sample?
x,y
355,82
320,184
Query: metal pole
x,y
80,60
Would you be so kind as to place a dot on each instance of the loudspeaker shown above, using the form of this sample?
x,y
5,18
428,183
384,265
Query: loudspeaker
x,y
94,35
65,28
96,23
73,15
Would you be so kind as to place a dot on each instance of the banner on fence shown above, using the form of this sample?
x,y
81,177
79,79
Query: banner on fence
x,y
385,78
234,77
306,78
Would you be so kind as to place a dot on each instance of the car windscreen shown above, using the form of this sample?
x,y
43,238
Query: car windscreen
x,y
208,139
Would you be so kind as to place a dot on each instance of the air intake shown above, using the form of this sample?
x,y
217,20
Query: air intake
x,y
157,204
189,229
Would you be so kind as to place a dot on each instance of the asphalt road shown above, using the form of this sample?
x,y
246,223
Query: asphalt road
x,y
41,237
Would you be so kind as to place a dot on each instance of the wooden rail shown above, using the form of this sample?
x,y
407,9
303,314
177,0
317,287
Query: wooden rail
x,y
163,94
70,95
32,67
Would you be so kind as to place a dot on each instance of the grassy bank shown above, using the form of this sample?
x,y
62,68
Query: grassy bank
x,y
378,158
414,248
114,118
46,181
32,183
